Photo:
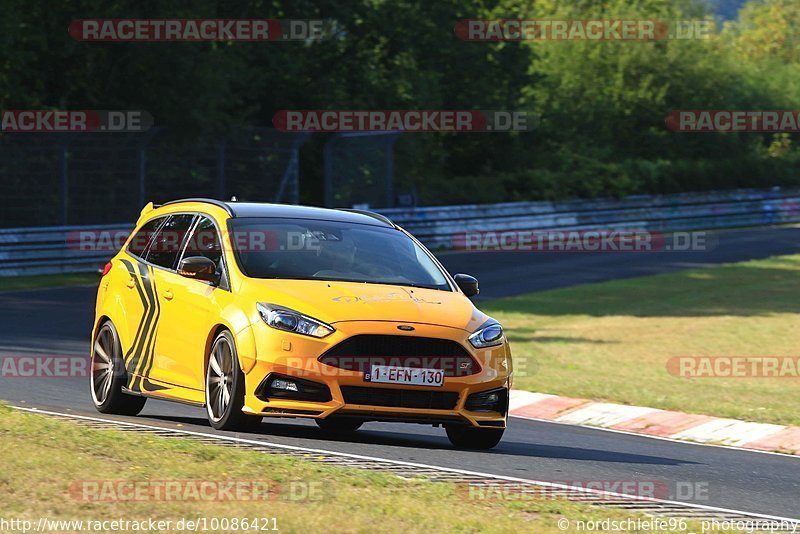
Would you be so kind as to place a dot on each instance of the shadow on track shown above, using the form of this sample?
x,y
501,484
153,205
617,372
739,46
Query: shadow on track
x,y
396,439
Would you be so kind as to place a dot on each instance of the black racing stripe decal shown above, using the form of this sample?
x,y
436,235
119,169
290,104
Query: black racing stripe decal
x,y
140,359
135,364
147,366
146,317
146,333
147,385
140,329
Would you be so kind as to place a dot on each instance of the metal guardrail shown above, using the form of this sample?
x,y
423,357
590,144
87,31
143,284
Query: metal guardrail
x,y
53,249
438,226
50,250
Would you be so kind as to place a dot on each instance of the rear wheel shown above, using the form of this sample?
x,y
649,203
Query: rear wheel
x,y
109,376
339,425
225,387
465,437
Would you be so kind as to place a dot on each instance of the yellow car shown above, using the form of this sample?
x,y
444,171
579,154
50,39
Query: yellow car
x,y
262,310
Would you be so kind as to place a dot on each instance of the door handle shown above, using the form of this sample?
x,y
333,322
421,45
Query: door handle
x,y
169,295
131,283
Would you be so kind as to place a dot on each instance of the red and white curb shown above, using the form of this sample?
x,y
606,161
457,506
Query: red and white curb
x,y
654,422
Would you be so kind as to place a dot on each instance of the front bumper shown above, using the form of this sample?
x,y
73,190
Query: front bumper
x,y
293,355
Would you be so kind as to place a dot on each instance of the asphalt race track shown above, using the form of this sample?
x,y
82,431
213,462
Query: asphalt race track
x,y
503,274
56,322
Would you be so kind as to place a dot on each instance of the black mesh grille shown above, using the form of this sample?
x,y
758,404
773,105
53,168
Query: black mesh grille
x,y
360,352
400,398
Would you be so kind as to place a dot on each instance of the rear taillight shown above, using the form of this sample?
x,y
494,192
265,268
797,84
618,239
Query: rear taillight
x,y
105,269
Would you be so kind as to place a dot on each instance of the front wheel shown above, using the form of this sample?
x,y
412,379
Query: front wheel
x,y
225,387
108,375
465,437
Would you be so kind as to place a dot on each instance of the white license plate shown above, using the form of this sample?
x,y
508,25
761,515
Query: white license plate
x,y
387,374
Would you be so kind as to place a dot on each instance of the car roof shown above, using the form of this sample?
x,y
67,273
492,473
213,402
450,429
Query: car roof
x,y
288,211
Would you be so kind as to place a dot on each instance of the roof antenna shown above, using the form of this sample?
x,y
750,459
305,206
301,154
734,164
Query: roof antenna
x,y
234,199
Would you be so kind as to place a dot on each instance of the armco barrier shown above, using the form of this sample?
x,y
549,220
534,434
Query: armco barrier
x,y
46,251
437,226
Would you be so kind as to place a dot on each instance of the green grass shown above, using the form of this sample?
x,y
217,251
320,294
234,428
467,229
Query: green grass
x,y
611,341
9,283
51,455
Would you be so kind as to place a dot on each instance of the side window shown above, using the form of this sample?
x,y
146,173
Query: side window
x,y
141,238
168,240
204,241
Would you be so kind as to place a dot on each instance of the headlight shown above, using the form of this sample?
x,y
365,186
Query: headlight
x,y
289,320
487,336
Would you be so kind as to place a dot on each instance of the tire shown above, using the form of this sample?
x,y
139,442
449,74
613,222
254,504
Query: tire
x,y
339,425
107,375
465,437
225,387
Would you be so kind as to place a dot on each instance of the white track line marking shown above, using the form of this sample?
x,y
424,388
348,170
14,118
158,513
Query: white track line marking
x,y
411,464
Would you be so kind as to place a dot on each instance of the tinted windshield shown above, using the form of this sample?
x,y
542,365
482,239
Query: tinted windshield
x,y
326,250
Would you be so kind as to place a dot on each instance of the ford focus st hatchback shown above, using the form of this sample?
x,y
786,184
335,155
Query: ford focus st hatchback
x,y
259,310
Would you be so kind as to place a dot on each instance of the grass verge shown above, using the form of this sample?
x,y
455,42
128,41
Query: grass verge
x,y
53,456
611,341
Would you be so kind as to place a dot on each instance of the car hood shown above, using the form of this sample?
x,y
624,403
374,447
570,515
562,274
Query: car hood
x,y
334,302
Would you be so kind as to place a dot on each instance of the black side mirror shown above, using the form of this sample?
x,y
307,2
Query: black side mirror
x,y
199,268
468,284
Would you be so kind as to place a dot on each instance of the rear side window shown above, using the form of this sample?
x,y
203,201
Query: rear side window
x,y
139,241
167,242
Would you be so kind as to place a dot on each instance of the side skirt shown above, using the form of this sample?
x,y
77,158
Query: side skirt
x,y
171,393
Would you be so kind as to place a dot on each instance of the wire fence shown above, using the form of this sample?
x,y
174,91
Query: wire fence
x,y
98,178
359,169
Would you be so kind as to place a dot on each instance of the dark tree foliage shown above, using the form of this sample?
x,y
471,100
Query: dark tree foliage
x,y
602,104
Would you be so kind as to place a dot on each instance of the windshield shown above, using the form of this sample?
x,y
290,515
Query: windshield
x,y
325,250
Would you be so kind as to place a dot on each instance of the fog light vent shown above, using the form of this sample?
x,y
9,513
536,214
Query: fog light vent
x,y
494,400
276,386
